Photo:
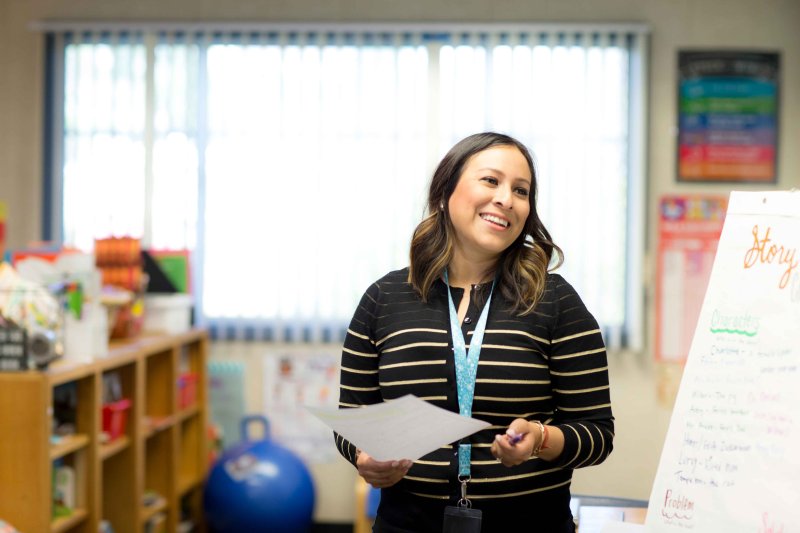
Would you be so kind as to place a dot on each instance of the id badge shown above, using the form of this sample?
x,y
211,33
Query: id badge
x,y
461,520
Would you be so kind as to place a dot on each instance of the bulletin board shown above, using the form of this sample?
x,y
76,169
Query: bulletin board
x,y
689,227
729,461
728,116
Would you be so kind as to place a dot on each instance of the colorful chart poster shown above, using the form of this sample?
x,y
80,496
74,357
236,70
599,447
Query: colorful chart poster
x,y
729,461
689,227
728,116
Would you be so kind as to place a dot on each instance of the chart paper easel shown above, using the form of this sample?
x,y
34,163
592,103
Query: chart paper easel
x,y
730,461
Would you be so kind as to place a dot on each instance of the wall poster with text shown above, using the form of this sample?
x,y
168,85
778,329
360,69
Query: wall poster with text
x,y
689,227
728,116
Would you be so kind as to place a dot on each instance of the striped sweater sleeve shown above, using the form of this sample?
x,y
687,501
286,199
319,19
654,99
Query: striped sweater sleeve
x,y
358,382
579,376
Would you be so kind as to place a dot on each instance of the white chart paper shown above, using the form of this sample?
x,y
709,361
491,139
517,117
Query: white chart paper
x,y
730,460
623,527
406,428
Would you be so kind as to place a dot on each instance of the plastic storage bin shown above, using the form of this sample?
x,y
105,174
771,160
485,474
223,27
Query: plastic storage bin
x,y
115,418
187,390
171,313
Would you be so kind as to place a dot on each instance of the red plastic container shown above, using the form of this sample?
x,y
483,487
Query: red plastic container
x,y
115,418
187,390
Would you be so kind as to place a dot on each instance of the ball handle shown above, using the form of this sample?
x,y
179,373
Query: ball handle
x,y
247,422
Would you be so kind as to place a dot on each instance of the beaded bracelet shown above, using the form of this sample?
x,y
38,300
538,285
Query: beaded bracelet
x,y
538,448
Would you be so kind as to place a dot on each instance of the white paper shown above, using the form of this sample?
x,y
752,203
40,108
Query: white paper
x,y
622,527
593,518
729,461
406,428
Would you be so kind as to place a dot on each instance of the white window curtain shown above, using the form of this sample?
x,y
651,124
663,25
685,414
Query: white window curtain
x,y
293,161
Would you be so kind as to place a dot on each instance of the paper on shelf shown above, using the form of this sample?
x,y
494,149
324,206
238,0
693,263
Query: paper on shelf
x,y
623,527
593,518
406,428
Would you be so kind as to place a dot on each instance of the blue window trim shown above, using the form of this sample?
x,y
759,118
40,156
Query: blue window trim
x,y
47,141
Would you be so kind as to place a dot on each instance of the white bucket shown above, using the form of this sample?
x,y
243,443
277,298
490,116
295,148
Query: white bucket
x,y
169,313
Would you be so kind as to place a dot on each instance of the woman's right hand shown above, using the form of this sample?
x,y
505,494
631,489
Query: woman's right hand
x,y
381,474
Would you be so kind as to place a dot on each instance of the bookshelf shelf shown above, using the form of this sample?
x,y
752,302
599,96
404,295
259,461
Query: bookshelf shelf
x,y
67,445
162,447
66,523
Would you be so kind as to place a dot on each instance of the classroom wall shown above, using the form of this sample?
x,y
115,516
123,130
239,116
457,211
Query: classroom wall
x,y
675,24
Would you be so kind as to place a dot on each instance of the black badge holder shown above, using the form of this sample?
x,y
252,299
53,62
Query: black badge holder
x,y
462,518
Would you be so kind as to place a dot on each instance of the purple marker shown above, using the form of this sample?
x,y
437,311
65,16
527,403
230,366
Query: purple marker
x,y
514,439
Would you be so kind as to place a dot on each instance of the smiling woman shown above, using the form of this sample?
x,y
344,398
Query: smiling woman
x,y
479,325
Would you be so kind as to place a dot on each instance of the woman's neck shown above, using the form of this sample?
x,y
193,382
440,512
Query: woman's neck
x,y
464,272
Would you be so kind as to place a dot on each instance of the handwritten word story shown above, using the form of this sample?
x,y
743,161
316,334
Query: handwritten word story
x,y
765,251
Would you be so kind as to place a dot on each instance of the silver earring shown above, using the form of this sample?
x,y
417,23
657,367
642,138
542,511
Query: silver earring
x,y
441,206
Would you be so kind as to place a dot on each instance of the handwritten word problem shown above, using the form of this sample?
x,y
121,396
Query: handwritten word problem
x,y
677,506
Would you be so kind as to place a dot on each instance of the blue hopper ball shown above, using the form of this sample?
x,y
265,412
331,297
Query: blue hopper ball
x,y
259,486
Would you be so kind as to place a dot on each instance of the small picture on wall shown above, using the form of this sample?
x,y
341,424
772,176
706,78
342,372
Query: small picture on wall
x,y
728,116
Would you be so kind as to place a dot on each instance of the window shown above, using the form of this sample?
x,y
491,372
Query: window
x,y
294,161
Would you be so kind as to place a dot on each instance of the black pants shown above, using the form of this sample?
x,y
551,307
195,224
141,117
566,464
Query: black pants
x,y
402,513
567,527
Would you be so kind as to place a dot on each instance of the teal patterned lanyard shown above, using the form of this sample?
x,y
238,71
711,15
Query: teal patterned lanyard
x,y
466,368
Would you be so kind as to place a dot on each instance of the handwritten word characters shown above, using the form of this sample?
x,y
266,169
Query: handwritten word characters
x,y
765,250
736,324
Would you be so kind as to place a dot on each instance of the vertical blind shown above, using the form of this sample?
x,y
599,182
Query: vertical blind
x,y
293,161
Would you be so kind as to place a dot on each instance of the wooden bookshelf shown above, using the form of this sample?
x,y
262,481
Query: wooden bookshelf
x,y
163,448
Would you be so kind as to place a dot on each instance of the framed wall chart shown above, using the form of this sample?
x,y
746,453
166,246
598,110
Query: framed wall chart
x,y
728,104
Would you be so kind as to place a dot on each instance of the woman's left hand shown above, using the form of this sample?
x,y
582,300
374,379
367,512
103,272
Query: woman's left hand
x,y
511,453
381,474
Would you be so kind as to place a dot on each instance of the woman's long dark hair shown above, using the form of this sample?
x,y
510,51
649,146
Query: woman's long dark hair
x,y
522,267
